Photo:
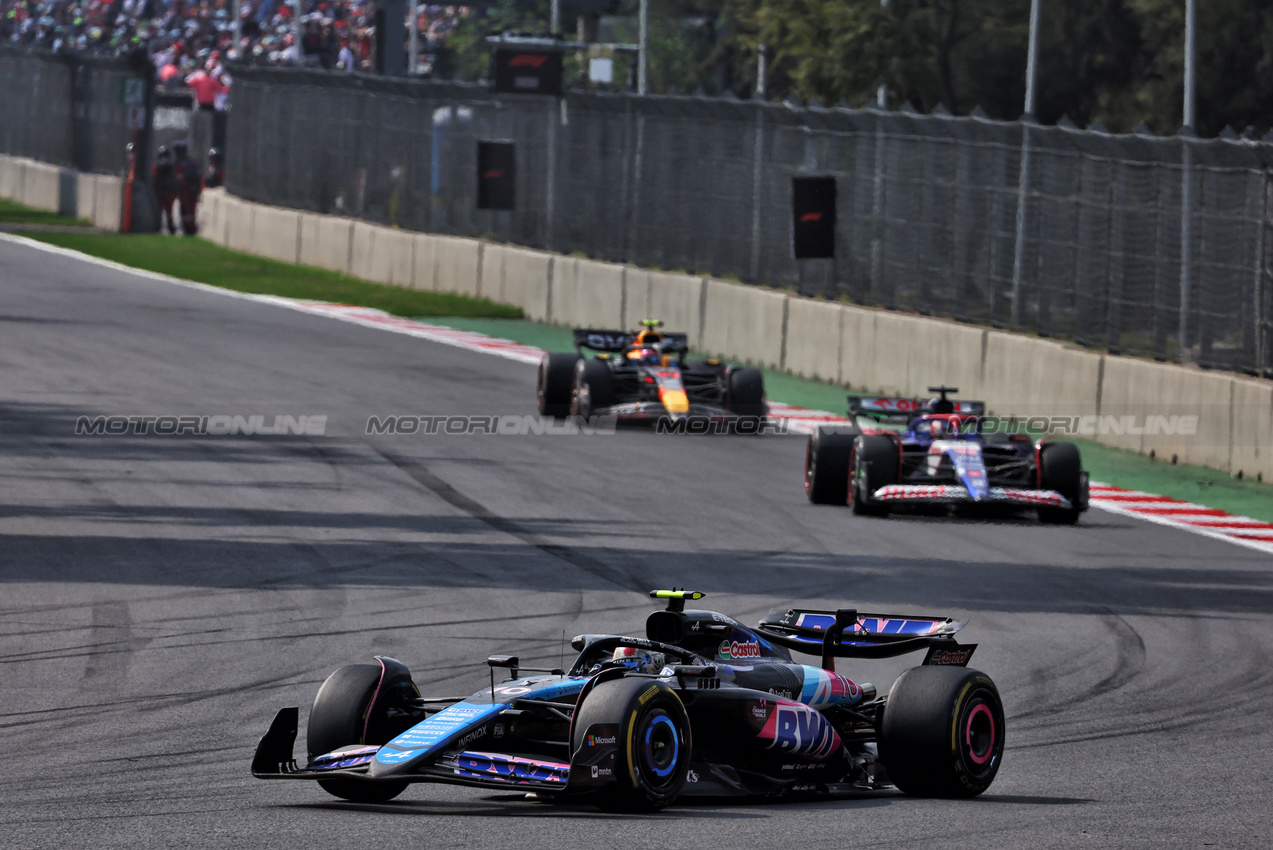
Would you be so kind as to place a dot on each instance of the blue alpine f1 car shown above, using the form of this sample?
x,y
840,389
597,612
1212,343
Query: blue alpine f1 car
x,y
941,457
701,706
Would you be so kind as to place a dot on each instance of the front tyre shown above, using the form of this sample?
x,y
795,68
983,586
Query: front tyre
x,y
826,464
343,715
593,388
874,465
746,393
1061,470
942,732
653,743
556,379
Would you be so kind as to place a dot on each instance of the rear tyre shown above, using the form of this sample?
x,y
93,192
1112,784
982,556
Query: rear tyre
x,y
556,378
826,464
652,747
746,393
873,465
942,732
340,718
1060,469
593,388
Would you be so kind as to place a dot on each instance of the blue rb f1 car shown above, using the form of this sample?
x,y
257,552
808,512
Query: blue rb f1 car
x,y
702,706
941,457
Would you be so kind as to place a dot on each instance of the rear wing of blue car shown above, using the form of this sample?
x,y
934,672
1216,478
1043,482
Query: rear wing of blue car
x,y
616,342
848,633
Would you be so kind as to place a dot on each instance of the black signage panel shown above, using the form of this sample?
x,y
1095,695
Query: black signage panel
x,y
526,71
813,217
496,175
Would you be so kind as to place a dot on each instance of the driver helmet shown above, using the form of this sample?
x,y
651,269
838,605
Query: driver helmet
x,y
642,659
937,427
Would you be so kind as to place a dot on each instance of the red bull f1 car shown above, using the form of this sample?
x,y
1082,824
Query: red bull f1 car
x,y
702,706
645,376
941,457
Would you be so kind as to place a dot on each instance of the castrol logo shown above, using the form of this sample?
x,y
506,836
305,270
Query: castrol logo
x,y
734,649
950,657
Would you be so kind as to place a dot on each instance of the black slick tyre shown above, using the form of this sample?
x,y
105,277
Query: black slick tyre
x,y
556,379
942,732
593,388
746,392
340,718
874,464
1061,470
653,744
826,464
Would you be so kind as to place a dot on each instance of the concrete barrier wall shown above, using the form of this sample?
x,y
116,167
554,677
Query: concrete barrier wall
x,y
457,264
815,337
392,262
85,195
325,241
1251,449
240,218
676,299
108,203
865,349
275,233
746,321
40,185
587,293
10,177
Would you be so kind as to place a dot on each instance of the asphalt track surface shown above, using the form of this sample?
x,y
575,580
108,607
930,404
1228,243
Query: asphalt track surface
x,y
163,596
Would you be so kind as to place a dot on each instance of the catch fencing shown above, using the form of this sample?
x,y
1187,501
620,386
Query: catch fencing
x,y
928,214
68,108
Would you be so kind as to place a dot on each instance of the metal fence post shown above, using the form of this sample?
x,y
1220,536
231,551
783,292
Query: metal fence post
x,y
757,183
1261,320
1186,245
550,189
877,213
1117,263
1018,254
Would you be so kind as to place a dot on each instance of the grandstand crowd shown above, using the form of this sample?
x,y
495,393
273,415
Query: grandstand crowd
x,y
185,37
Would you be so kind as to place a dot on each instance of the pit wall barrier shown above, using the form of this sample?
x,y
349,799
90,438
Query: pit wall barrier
x,y
1213,419
98,198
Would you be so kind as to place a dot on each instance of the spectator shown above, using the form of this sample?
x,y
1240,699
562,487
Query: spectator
x,y
215,175
163,176
207,87
186,39
189,188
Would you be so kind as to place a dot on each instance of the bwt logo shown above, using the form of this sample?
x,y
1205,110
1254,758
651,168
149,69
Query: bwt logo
x,y
802,731
217,426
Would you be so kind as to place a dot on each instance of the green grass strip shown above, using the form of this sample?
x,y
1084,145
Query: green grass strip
x,y
11,213
202,261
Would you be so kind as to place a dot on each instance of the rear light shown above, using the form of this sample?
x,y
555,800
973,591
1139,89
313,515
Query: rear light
x,y
1019,438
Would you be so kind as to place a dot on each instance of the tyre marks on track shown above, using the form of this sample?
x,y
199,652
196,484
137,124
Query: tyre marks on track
x,y
460,501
